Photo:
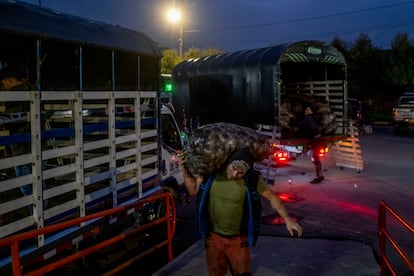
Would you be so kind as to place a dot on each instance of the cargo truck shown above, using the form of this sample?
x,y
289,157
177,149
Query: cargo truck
x,y
95,132
258,88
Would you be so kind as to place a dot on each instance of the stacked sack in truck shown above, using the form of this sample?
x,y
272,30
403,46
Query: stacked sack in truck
x,y
211,145
296,104
326,118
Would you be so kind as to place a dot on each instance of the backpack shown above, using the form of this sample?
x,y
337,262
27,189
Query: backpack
x,y
252,209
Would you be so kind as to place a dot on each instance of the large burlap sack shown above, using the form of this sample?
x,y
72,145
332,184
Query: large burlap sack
x,y
326,119
211,145
295,104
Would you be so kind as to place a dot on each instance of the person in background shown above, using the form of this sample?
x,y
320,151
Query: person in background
x,y
15,78
222,212
309,129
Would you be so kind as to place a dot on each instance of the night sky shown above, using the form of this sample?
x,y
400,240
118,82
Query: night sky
x,y
231,25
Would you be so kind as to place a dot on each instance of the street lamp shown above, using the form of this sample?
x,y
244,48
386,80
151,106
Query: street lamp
x,y
174,16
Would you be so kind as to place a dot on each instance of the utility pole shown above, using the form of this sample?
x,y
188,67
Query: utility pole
x,y
181,39
175,16
181,36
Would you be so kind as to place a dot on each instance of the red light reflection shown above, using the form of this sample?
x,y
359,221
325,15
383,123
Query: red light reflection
x,y
358,208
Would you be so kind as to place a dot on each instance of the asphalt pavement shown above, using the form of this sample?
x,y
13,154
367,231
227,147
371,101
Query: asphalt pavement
x,y
339,216
288,256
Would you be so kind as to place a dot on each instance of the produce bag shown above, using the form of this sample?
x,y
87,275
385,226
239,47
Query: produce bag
x,y
296,104
210,146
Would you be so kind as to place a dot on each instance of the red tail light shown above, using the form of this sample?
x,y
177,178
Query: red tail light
x,y
281,156
322,151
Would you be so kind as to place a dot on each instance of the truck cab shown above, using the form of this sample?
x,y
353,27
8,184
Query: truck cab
x,y
171,173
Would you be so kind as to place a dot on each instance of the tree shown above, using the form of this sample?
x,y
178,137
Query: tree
x,y
367,76
171,58
360,60
341,45
402,62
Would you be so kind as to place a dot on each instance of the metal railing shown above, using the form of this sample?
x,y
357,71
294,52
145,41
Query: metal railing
x,y
105,217
384,236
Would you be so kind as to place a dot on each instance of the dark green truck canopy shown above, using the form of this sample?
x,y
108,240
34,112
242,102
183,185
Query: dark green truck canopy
x,y
248,87
304,51
39,22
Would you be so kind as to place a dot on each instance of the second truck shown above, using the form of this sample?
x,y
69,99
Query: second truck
x,y
258,88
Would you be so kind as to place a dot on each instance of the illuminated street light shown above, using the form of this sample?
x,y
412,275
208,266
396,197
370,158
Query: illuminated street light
x,y
174,16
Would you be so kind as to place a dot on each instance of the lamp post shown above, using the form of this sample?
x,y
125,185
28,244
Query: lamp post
x,y
181,40
174,16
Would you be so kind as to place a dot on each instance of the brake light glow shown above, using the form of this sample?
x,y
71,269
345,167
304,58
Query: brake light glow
x,y
322,151
281,155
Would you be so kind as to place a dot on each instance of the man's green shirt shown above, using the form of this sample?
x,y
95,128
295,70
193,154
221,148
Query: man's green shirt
x,y
226,201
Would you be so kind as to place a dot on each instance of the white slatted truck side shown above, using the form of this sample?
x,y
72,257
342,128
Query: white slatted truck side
x,y
90,125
